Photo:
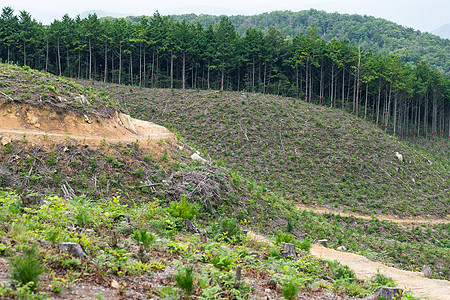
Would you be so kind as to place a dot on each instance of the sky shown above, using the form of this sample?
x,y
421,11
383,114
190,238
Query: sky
x,y
423,15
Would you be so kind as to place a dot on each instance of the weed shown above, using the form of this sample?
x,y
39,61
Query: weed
x,y
183,209
143,236
290,289
185,279
27,267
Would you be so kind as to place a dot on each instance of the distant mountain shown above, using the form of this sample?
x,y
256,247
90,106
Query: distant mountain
x,y
377,34
443,31
102,14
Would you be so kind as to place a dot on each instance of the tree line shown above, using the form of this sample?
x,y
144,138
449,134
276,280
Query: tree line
x,y
159,52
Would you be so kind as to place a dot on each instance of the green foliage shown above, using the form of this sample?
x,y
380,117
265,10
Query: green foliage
x,y
185,279
283,237
228,230
343,272
290,289
145,237
379,280
27,268
183,209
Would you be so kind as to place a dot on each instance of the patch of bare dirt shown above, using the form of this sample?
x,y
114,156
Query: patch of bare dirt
x,y
403,221
45,123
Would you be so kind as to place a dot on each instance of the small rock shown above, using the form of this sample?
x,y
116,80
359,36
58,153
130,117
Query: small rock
x,y
66,149
6,141
341,248
114,284
126,121
195,156
86,119
323,243
73,248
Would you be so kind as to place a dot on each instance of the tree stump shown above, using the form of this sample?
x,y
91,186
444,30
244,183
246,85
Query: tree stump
x,y
189,225
73,248
289,251
388,293
203,237
237,282
32,200
427,272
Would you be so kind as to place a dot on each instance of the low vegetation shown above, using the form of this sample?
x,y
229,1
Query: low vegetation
x,y
126,204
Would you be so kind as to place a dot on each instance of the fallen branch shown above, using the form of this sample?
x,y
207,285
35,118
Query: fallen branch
x,y
7,97
5,75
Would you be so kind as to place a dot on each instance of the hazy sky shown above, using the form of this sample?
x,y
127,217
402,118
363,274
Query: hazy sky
x,y
424,15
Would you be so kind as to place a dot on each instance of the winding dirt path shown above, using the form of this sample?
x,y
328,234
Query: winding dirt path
x,y
364,268
408,221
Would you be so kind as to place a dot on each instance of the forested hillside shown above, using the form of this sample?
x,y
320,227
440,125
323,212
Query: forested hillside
x,y
159,52
377,34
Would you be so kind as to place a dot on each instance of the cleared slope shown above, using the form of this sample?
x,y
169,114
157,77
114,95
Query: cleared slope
x,y
311,154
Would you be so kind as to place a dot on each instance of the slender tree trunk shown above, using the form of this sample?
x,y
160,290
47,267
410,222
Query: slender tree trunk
x,y
434,116
171,69
79,63
131,67
332,82
388,108
46,57
140,64
306,82
153,68
145,67
24,53
208,73
68,62
395,112
90,59
120,61
367,96
425,116
343,87
378,99
184,70
357,81
59,57
106,63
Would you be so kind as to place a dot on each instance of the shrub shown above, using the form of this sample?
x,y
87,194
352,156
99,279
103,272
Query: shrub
x,y
185,279
283,237
291,289
228,230
183,209
27,268
143,236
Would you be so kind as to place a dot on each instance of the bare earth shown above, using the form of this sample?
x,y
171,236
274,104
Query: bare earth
x,y
403,221
47,124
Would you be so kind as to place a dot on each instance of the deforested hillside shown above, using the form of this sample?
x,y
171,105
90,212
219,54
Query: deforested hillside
x,y
308,153
74,171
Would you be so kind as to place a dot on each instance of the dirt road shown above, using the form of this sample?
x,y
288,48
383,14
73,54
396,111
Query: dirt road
x,y
365,268
403,221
